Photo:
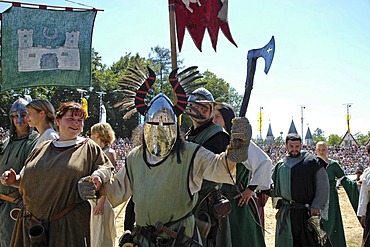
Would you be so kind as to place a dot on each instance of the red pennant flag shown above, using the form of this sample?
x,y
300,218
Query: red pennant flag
x,y
196,17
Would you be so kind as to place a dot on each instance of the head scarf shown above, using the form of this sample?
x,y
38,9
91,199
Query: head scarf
x,y
228,114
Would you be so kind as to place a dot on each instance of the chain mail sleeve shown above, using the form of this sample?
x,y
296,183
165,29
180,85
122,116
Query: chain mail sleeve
x,y
321,200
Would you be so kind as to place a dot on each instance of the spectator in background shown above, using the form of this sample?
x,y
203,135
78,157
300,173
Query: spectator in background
x,y
102,218
41,115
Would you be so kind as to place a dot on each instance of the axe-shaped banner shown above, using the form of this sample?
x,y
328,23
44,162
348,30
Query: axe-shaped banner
x,y
267,52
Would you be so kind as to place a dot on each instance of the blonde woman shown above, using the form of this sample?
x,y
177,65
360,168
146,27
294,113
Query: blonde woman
x,y
41,115
103,221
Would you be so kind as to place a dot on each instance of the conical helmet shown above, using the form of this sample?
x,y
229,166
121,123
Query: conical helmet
x,y
160,127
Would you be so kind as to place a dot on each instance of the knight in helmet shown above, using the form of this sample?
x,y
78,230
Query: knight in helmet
x,y
214,138
13,155
164,174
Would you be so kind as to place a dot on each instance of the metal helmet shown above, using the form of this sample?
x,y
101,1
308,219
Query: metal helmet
x,y
201,95
18,108
160,127
199,98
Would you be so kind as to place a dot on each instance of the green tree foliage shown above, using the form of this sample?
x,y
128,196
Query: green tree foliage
x,y
106,79
108,82
334,140
362,139
279,141
318,135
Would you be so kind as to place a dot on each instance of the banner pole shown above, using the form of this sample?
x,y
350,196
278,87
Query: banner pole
x,y
47,6
171,11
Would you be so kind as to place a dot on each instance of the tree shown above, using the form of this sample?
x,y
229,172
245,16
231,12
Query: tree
x,y
279,141
334,140
318,135
362,139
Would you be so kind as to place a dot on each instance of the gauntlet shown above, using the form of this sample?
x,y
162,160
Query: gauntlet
x,y
86,188
314,226
241,132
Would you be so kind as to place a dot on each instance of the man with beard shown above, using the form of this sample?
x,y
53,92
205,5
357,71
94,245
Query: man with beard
x,y
301,195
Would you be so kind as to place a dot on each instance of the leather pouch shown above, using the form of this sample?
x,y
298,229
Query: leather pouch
x,y
221,208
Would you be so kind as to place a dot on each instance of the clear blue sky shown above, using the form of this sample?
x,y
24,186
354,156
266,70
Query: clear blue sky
x,y
321,59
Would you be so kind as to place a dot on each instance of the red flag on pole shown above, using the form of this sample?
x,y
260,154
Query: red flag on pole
x,y
197,16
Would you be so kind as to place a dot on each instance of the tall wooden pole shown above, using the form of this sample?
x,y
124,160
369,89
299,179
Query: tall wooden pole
x,y
171,11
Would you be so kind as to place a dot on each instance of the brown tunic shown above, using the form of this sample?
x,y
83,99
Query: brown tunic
x,y
49,185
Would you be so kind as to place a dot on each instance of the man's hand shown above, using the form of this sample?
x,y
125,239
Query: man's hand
x,y
244,197
315,212
99,207
9,177
97,182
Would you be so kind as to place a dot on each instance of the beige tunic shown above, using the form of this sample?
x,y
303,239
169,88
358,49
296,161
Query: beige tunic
x,y
49,185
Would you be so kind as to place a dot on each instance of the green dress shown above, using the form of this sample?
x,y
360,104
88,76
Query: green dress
x,y
13,156
334,225
246,230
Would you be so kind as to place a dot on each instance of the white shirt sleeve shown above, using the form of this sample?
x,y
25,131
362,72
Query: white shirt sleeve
x,y
212,167
261,166
118,189
364,195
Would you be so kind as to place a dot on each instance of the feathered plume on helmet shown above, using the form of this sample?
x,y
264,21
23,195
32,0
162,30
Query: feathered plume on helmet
x,y
137,84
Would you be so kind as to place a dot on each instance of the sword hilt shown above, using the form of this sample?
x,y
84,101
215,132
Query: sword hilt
x,y
161,227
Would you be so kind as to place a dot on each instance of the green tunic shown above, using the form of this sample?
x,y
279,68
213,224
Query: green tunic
x,y
220,233
13,156
334,225
246,230
49,185
295,183
165,187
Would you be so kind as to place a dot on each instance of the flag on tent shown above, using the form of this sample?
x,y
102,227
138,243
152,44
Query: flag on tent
x,y
103,114
85,106
197,16
43,47
260,117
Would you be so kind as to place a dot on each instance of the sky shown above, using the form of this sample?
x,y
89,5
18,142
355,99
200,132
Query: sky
x,y
320,69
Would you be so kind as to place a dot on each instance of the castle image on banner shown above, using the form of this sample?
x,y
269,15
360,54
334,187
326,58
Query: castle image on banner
x,y
40,58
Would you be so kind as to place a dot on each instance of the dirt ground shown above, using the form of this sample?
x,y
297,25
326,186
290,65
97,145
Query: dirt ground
x,y
352,228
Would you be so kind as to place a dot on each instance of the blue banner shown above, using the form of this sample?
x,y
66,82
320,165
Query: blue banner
x,y
42,47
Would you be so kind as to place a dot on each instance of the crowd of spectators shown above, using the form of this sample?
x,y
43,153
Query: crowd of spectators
x,y
4,133
348,157
122,146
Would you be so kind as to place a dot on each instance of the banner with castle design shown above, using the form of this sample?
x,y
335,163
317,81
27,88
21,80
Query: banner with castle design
x,y
44,47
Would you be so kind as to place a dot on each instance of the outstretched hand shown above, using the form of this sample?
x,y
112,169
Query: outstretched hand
x,y
9,177
87,187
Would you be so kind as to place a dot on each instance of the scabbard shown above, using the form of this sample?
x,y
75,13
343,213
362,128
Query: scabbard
x,y
9,197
